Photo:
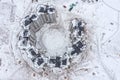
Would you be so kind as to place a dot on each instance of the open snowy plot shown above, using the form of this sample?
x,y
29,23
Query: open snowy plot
x,y
102,18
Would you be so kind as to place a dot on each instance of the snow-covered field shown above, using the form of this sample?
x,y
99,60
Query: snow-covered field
x,y
103,26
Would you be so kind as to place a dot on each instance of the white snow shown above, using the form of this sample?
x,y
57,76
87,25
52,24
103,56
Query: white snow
x,y
113,4
103,22
55,42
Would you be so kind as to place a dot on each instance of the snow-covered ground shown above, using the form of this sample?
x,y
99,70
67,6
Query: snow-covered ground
x,y
103,26
55,42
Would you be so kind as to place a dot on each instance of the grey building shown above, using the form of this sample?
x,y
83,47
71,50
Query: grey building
x,y
41,12
46,13
51,14
36,23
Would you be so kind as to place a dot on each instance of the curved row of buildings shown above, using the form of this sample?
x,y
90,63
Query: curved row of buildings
x,y
46,14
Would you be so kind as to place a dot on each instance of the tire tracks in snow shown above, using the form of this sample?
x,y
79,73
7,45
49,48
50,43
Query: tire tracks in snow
x,y
107,71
